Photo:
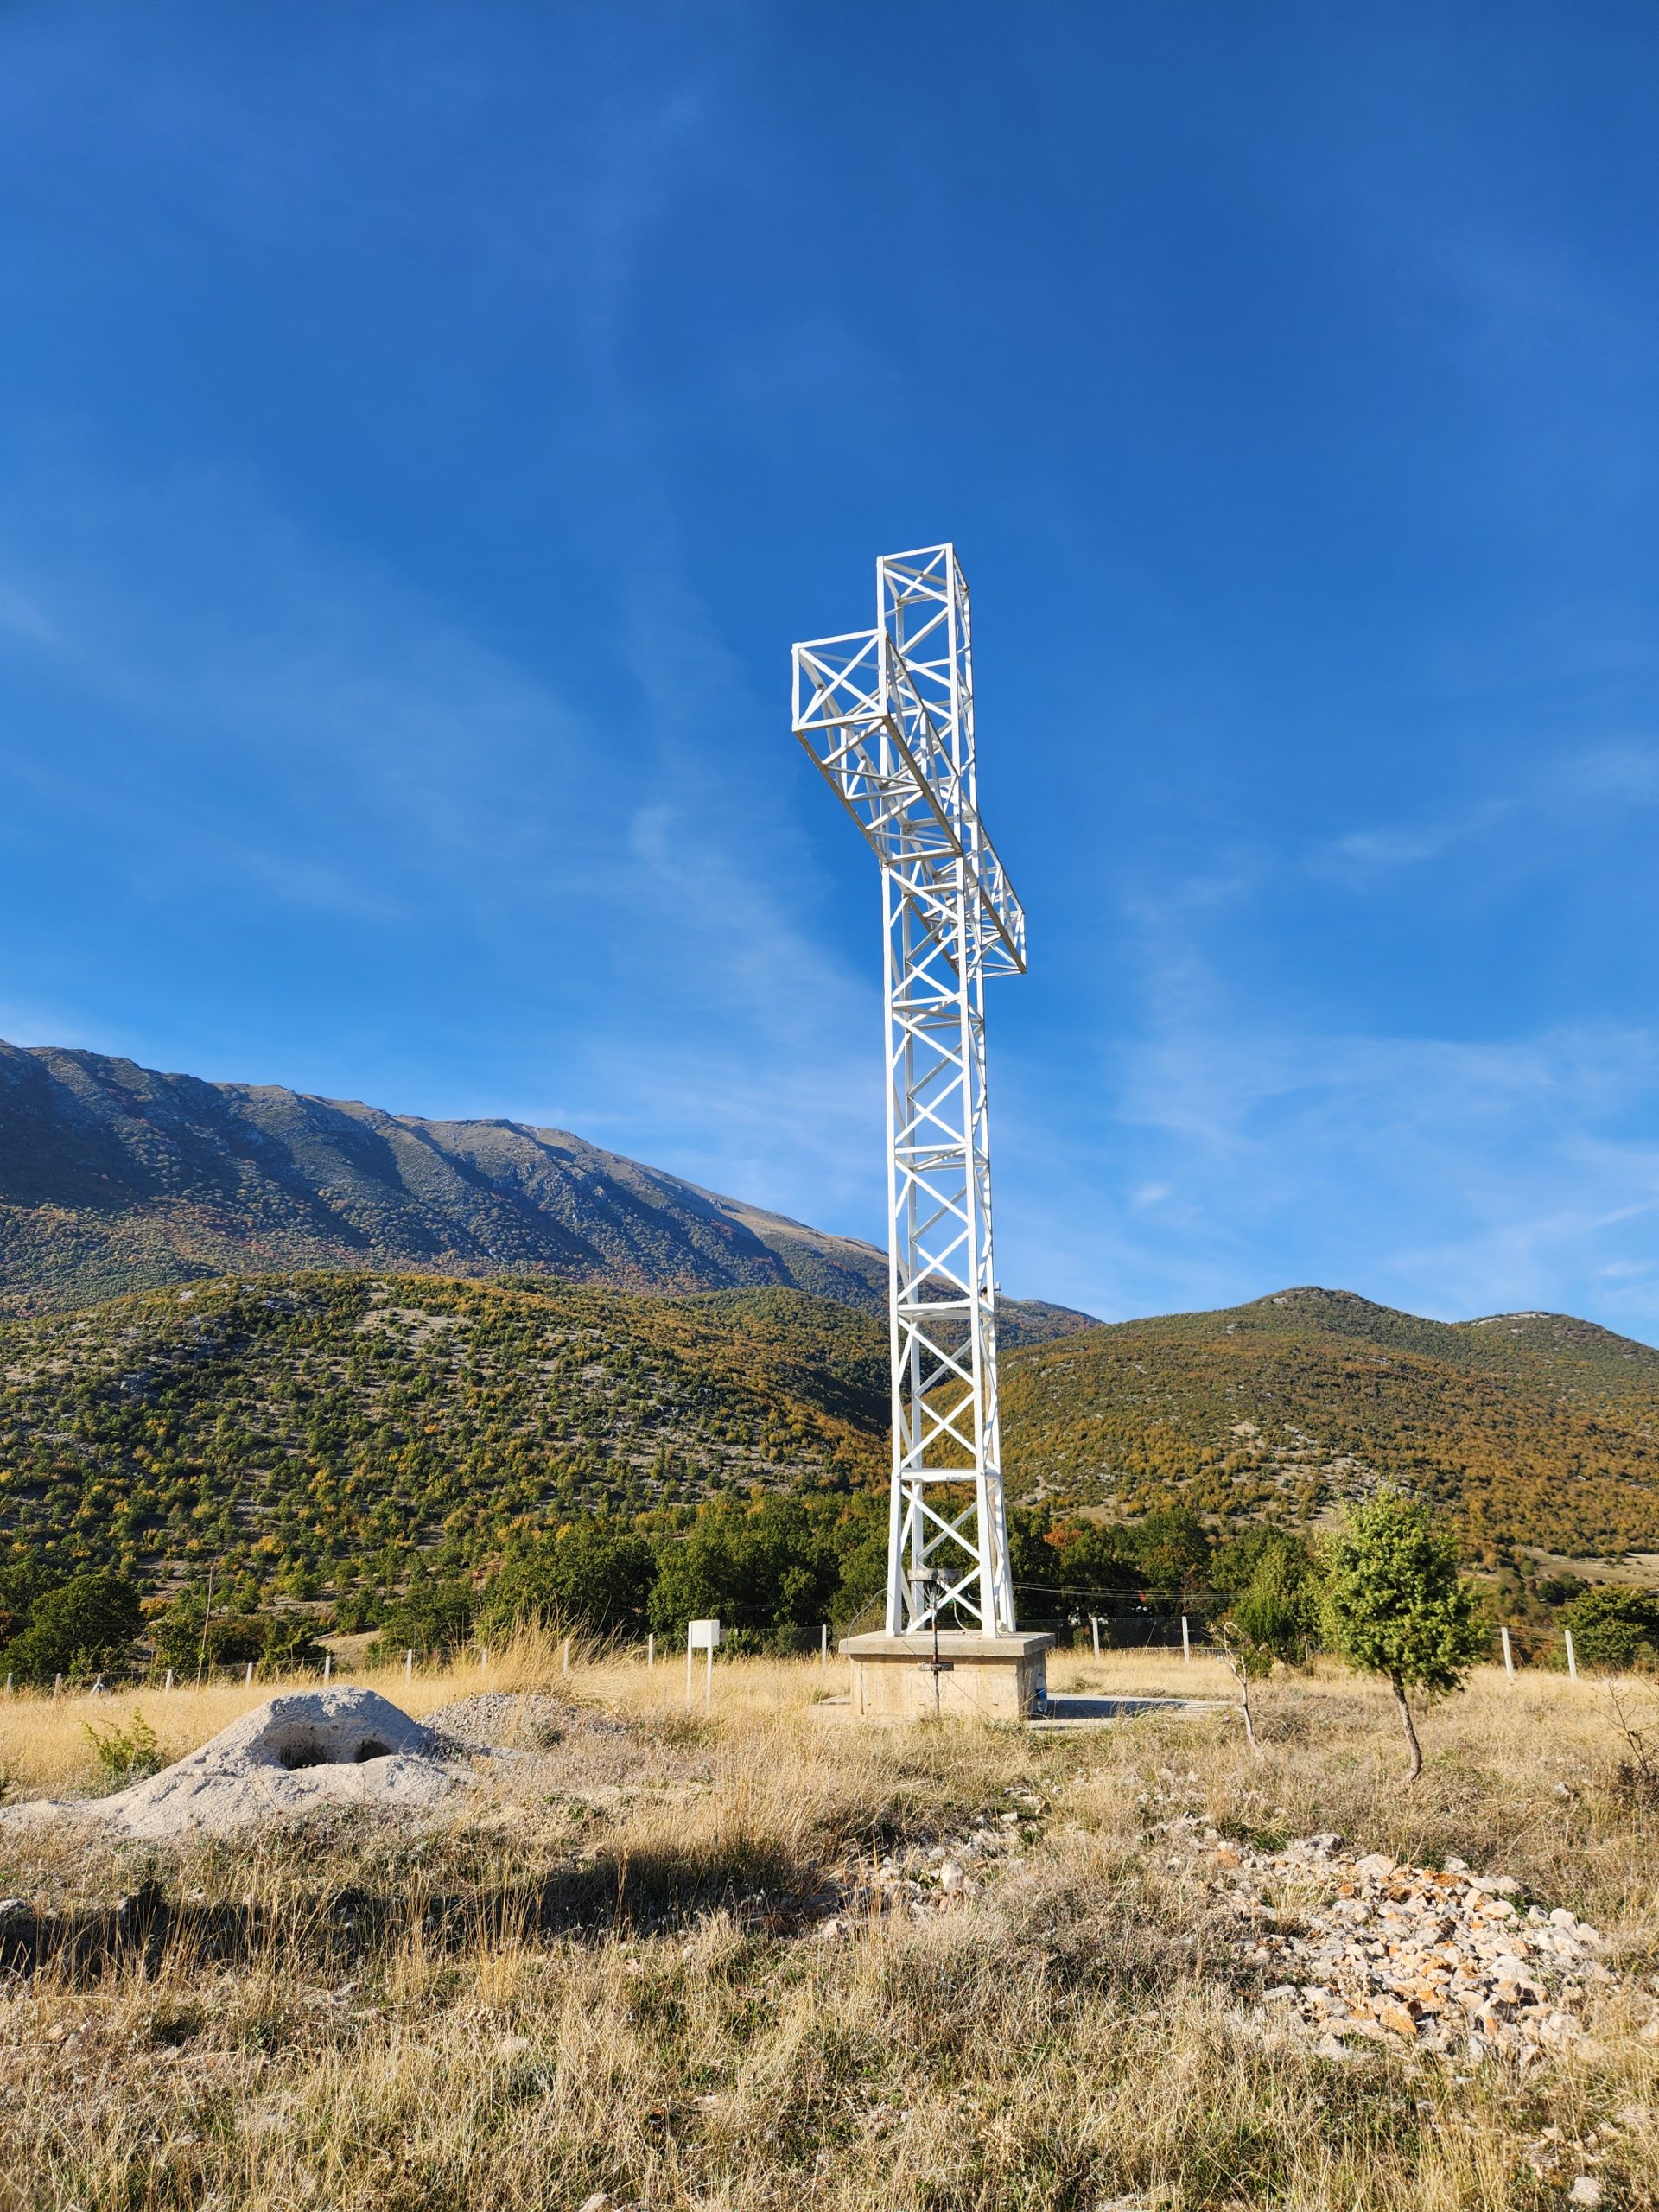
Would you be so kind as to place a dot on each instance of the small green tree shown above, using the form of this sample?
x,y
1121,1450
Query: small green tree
x,y
1274,1618
1395,1605
1614,1626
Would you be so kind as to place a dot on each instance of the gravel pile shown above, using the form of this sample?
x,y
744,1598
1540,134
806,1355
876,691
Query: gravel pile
x,y
494,1720
1452,1962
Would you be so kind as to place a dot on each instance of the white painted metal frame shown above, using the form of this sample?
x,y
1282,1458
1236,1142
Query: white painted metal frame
x,y
888,715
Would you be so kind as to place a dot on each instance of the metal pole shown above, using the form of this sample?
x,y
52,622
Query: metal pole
x,y
1094,1631
1186,1643
1509,1655
1572,1655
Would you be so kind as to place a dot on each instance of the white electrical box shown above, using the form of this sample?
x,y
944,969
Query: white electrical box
x,y
702,1635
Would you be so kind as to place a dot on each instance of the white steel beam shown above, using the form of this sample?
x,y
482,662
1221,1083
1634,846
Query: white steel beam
x,y
888,715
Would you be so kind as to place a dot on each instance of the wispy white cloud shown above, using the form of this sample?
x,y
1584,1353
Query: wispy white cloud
x,y
1566,793
1448,1177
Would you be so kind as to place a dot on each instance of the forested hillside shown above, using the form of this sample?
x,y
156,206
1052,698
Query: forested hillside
x,y
1533,1427
312,1430
316,1434
114,1177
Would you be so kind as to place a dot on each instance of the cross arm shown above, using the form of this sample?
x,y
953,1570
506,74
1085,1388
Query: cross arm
x,y
860,717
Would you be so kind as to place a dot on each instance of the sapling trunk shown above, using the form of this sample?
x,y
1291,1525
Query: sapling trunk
x,y
1245,1707
1239,1663
1414,1767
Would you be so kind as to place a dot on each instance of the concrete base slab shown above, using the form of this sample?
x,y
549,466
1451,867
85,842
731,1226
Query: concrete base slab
x,y
962,1677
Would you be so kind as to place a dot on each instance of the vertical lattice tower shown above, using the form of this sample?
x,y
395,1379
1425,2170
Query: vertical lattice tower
x,y
887,714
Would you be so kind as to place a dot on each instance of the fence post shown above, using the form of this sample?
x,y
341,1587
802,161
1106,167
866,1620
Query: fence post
x,y
650,1652
564,1655
8,1685
483,1657
1509,1655
1094,1630
409,1665
57,1689
247,1679
823,1645
1572,1655
327,1668
1186,1642
167,1684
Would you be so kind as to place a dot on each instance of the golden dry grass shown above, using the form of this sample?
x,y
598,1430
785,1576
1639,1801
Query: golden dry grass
x,y
590,1977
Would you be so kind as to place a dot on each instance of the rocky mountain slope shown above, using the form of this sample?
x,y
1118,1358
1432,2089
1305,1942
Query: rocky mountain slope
x,y
114,1177
316,1431
309,1431
1534,1427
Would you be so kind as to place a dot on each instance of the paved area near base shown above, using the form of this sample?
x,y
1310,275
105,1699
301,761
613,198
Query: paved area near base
x,y
1062,1715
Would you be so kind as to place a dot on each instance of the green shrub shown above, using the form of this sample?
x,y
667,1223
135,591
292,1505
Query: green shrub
x,y
129,1754
87,1626
588,1575
1614,1626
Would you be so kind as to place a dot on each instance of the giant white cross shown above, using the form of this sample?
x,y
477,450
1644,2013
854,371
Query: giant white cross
x,y
887,714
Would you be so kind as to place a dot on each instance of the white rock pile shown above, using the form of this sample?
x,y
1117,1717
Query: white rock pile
x,y
1372,1949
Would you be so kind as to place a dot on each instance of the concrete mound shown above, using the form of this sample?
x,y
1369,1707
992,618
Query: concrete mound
x,y
287,1757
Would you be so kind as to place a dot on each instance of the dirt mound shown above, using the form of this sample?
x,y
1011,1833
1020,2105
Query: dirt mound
x,y
306,1749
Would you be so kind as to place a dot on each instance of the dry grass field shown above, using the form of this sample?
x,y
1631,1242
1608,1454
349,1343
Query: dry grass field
x,y
608,1969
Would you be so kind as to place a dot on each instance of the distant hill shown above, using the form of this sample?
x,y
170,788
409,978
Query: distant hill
x,y
306,1430
1533,1427
114,1177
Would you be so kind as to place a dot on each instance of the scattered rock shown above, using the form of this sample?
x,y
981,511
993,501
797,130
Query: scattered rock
x,y
287,1757
1440,1958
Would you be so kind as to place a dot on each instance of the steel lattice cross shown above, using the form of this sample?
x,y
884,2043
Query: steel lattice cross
x,y
887,714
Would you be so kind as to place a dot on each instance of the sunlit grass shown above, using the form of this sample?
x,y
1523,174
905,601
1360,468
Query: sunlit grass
x,y
375,2014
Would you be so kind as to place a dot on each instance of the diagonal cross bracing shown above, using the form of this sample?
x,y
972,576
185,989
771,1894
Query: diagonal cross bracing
x,y
887,714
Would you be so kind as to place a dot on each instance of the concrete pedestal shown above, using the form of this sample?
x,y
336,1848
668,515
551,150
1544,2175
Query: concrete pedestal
x,y
977,1677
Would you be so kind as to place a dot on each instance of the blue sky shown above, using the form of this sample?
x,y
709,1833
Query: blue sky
x,y
424,429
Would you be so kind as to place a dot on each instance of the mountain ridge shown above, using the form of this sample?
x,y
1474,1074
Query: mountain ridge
x,y
114,1177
